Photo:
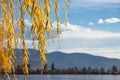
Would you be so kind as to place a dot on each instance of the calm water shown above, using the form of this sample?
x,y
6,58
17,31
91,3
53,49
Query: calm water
x,y
69,77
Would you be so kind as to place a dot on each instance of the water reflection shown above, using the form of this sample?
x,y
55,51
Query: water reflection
x,y
69,77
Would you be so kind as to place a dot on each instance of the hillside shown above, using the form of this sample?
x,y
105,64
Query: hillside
x,y
63,60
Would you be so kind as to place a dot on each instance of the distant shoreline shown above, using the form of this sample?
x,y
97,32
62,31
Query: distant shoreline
x,y
67,74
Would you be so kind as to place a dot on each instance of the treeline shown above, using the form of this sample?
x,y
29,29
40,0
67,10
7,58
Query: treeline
x,y
74,70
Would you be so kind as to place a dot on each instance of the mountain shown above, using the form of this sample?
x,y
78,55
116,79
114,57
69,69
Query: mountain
x,y
63,60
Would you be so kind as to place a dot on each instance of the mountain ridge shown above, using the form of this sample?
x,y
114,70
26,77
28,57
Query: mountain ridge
x,y
64,60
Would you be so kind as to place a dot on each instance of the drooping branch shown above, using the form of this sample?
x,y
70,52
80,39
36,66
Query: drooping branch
x,y
41,28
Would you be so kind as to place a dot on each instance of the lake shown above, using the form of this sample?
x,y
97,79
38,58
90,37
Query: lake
x,y
69,77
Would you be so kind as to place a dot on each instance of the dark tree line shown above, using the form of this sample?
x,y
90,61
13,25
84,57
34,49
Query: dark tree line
x,y
74,70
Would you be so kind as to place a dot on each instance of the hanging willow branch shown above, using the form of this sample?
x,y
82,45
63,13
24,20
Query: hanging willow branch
x,y
67,2
56,9
41,28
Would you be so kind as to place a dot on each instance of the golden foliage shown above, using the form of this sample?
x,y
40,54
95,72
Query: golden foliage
x,y
40,29
6,64
56,9
5,59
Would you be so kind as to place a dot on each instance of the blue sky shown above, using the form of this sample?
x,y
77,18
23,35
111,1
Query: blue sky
x,y
82,12
93,27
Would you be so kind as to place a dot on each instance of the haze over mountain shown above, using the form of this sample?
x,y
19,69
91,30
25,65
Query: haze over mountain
x,y
63,60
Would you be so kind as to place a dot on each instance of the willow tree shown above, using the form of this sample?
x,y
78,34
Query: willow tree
x,y
39,12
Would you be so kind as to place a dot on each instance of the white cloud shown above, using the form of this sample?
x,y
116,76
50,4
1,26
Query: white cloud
x,y
100,21
112,20
91,23
27,22
106,52
75,31
109,20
